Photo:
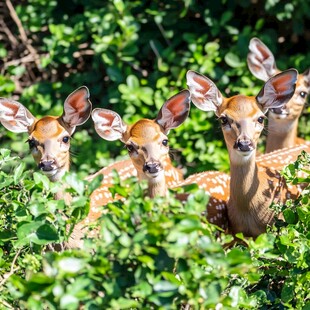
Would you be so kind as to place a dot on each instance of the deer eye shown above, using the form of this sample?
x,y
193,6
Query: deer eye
x,y
224,120
32,143
303,94
261,119
129,148
165,142
65,139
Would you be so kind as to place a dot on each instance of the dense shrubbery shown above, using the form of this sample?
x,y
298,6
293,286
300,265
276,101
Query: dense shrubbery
x,y
150,253
133,55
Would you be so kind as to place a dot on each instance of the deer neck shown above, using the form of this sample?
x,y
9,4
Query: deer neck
x,y
248,207
61,194
244,182
156,186
281,134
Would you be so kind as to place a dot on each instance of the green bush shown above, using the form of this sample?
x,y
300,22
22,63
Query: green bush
x,y
156,253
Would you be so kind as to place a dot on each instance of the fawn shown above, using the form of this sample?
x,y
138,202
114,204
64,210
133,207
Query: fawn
x,y
282,122
147,144
49,136
254,185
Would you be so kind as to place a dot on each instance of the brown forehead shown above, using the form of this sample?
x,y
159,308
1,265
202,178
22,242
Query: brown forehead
x,y
302,82
145,131
240,106
47,127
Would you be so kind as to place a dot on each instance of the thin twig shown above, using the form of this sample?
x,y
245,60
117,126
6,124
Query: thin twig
x,y
6,304
8,32
12,270
22,32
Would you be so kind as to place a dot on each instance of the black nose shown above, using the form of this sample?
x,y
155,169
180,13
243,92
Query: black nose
x,y
46,165
151,167
244,145
279,111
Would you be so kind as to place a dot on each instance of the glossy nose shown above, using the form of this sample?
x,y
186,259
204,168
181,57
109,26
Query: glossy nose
x,y
151,167
244,145
46,165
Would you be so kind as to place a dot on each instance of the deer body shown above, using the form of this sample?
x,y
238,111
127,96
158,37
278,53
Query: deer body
x,y
147,144
253,184
282,122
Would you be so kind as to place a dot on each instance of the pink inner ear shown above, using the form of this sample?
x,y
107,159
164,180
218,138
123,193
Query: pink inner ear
x,y
282,83
178,104
263,51
11,106
106,118
77,99
205,86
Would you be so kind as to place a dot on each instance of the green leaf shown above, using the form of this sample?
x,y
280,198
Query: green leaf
x,y
71,264
232,60
18,172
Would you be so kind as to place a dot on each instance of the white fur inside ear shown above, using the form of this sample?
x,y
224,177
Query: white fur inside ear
x,y
205,99
261,60
14,116
108,124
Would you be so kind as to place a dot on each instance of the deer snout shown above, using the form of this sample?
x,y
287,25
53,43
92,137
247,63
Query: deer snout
x,y
152,167
244,145
47,165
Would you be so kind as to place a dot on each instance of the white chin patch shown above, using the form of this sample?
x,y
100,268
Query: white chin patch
x,y
279,116
155,177
49,173
239,157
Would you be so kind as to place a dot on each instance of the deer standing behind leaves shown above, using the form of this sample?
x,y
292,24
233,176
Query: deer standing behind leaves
x,y
147,144
49,139
282,121
254,184
49,136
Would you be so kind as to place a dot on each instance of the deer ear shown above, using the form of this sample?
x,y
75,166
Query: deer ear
x,y
174,111
108,124
278,90
14,116
204,93
306,76
77,108
260,60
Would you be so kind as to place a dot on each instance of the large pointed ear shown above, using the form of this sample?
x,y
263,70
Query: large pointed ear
x,y
204,93
108,124
14,116
174,111
260,60
77,108
306,76
278,90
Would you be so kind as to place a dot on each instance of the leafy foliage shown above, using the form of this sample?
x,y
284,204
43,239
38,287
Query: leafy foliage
x,y
156,253
133,55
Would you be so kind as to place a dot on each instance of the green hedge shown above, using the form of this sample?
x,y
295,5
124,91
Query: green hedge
x,y
150,253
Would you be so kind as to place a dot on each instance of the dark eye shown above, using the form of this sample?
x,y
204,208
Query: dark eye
x,y
32,143
261,119
65,139
129,148
303,94
224,120
165,142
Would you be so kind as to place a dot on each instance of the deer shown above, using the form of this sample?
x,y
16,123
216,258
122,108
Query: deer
x,y
282,122
49,136
147,143
254,184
